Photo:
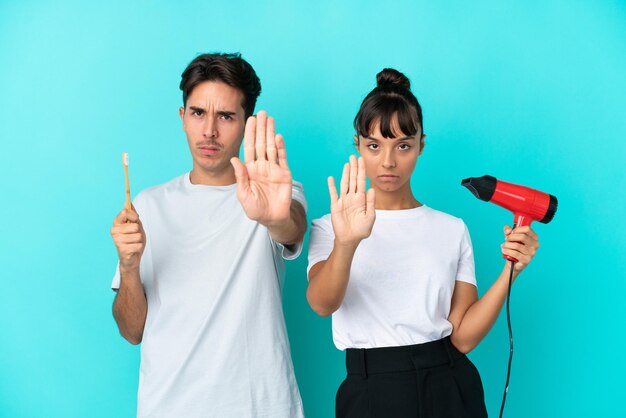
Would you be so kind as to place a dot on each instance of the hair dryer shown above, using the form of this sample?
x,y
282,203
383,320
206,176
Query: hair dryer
x,y
527,204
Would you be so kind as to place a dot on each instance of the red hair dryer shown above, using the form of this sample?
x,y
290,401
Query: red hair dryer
x,y
527,204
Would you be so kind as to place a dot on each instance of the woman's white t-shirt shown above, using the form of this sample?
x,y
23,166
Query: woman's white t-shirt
x,y
401,279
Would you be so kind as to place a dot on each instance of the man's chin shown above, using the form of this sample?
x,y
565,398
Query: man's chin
x,y
214,166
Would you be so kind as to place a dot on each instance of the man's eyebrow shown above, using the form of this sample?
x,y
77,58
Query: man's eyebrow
x,y
197,109
226,113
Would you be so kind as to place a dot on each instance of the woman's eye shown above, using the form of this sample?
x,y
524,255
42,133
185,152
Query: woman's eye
x,y
404,147
373,146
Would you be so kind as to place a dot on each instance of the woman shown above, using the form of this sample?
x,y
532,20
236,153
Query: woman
x,y
398,276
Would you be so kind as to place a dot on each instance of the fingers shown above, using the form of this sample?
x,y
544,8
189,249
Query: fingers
x,y
522,260
248,140
129,238
281,151
126,215
370,204
332,191
241,173
345,178
261,127
353,174
520,243
523,234
128,228
261,143
121,238
360,186
270,139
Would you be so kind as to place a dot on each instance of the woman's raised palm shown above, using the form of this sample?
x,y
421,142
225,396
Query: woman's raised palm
x,y
352,210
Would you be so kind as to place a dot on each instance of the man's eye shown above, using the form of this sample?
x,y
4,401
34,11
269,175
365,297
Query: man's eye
x,y
373,146
197,112
226,117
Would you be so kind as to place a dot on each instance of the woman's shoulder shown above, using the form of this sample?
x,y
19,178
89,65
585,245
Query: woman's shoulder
x,y
324,222
444,219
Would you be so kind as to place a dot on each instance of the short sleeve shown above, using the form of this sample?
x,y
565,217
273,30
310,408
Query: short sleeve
x,y
290,252
115,284
320,241
465,270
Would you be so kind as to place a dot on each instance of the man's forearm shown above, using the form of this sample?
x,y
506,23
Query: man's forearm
x,y
292,231
130,306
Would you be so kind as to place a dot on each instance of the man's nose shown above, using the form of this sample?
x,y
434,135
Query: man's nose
x,y
210,128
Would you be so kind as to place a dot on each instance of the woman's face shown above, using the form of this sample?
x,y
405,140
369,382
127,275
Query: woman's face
x,y
389,162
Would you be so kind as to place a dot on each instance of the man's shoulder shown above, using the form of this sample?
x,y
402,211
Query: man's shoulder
x,y
158,191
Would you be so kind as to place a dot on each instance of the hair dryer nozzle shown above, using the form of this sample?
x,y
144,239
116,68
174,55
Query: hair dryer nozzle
x,y
482,187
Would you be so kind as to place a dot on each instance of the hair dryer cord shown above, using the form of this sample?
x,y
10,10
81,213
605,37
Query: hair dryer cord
x,y
508,320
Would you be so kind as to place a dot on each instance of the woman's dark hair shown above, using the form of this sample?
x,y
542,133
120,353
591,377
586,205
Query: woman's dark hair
x,y
227,68
391,97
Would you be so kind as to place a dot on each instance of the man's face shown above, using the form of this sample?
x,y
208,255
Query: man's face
x,y
213,121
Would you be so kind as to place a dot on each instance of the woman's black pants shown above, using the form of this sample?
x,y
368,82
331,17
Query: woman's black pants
x,y
431,380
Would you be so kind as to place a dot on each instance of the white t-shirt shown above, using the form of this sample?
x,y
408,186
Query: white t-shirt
x,y
215,342
401,279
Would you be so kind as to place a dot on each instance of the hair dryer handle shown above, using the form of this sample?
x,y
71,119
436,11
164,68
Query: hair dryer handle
x,y
521,219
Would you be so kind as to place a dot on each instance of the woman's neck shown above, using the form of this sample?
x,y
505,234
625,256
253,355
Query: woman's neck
x,y
396,200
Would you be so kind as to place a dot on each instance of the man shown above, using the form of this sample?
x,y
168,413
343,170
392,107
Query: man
x,y
200,274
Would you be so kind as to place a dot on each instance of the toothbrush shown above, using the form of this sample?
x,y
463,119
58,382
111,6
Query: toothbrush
x,y
127,204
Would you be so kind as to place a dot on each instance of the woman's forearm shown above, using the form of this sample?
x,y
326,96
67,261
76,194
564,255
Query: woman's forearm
x,y
483,313
328,283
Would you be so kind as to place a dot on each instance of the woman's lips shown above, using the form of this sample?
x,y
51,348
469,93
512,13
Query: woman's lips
x,y
388,178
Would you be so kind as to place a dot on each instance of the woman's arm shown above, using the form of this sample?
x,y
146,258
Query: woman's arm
x,y
328,280
352,215
471,317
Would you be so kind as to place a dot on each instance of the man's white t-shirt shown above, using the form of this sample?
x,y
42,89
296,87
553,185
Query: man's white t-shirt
x,y
402,277
215,342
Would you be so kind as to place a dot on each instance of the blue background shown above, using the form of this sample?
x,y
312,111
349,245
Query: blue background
x,y
532,92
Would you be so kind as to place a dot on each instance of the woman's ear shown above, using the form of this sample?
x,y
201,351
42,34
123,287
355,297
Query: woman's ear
x,y
356,142
422,143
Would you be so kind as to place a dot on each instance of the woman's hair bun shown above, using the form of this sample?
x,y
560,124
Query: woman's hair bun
x,y
390,76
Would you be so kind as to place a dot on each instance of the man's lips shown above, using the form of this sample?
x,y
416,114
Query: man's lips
x,y
210,150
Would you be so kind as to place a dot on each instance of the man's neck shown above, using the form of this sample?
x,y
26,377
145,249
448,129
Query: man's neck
x,y
210,179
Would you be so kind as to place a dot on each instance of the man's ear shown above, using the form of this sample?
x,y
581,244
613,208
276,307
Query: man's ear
x,y
422,143
181,112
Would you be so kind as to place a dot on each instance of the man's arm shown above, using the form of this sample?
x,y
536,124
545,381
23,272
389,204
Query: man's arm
x,y
130,306
291,231
264,182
